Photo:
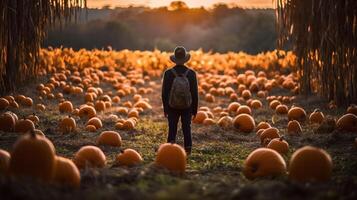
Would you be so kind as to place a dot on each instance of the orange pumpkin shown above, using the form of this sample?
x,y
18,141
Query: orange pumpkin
x,y
222,114
122,110
209,121
4,162
268,134
20,98
40,107
119,125
143,104
233,97
210,98
65,107
347,122
273,104
100,106
110,138
261,94
133,113
200,117
34,118
9,98
128,104
95,121
246,94
91,128
297,113
129,124
129,157
67,124
89,97
256,104
232,107
66,172
244,109
294,127
4,103
171,157
244,123
24,126
310,164
137,97
90,156
14,104
263,162
279,144
87,112
7,122
27,102
262,125
219,109
281,109
225,122
316,117
259,132
32,156
116,99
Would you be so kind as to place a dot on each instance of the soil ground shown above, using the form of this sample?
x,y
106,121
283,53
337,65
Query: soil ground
x,y
214,170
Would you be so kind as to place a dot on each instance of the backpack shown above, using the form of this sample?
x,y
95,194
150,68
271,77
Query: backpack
x,y
180,94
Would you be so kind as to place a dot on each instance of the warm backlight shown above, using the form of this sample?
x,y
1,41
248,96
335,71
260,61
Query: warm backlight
x,y
190,3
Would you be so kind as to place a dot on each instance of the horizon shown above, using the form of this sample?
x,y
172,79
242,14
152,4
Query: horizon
x,y
190,3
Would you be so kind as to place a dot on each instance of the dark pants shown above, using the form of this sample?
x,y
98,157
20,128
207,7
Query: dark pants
x,y
173,118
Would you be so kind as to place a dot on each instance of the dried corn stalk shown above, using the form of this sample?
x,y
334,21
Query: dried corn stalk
x,y
324,35
23,28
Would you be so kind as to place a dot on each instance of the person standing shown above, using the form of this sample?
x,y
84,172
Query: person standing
x,y
180,96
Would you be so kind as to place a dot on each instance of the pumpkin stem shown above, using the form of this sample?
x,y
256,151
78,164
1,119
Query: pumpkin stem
x,y
281,138
121,150
32,133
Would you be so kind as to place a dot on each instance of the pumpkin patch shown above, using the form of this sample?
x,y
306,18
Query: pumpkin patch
x,y
102,110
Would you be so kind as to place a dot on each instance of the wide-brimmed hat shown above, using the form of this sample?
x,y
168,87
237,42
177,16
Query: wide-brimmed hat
x,y
180,56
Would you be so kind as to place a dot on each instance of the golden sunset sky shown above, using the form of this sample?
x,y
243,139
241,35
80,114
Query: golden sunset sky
x,y
190,3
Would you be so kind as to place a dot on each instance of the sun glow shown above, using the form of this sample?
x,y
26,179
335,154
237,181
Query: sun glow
x,y
190,3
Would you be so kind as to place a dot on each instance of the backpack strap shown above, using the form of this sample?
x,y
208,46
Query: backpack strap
x,y
174,72
176,75
186,72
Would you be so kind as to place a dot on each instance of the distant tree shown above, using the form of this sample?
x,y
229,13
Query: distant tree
x,y
106,7
177,5
219,29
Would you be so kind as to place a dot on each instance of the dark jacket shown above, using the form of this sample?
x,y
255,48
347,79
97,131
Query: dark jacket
x,y
167,84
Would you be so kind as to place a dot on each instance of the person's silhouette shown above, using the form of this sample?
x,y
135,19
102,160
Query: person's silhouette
x,y
180,96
